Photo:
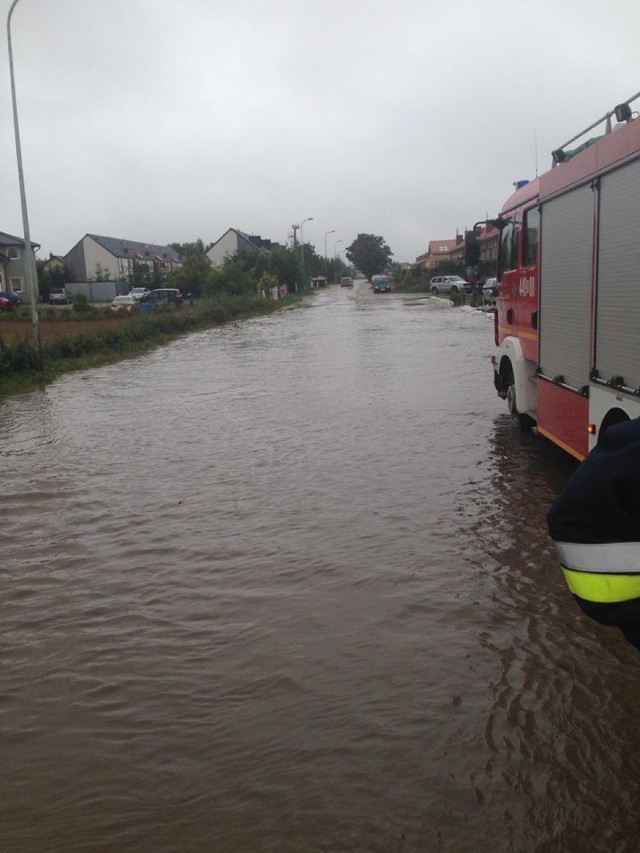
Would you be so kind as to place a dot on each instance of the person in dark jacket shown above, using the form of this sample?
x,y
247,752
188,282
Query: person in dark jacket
x,y
595,525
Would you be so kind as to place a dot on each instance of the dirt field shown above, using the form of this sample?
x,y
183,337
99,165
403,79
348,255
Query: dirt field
x,y
49,329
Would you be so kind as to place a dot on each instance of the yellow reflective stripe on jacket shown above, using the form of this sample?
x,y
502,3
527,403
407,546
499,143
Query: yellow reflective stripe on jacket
x,y
602,558
603,588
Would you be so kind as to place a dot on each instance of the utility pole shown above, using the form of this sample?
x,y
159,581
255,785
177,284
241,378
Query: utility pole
x,y
29,258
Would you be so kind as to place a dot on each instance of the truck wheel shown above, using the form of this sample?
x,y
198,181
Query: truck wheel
x,y
525,422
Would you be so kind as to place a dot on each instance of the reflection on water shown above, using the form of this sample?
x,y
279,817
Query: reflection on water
x,y
286,586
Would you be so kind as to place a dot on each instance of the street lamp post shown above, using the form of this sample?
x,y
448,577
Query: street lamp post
x,y
335,266
326,261
30,273
309,219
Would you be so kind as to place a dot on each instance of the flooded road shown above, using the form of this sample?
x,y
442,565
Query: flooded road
x,y
286,586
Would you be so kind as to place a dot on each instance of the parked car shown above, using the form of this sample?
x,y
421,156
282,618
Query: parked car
x,y
162,296
381,284
490,290
11,297
59,296
124,303
5,304
139,292
449,284
346,281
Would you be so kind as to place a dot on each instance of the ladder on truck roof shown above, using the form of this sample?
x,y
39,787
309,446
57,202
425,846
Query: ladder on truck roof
x,y
621,111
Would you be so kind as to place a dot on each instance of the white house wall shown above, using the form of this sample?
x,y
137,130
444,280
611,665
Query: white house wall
x,y
95,254
225,248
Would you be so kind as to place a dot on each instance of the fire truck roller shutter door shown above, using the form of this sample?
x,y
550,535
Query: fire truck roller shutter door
x,y
618,305
565,286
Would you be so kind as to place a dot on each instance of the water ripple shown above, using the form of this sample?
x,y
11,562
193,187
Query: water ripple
x,y
286,586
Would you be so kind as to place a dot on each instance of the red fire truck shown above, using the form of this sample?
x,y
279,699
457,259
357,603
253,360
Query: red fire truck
x,y
567,321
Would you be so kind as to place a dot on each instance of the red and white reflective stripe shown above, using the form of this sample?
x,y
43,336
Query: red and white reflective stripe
x,y
608,558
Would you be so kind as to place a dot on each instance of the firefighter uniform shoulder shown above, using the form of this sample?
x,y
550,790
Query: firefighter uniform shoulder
x,y
595,525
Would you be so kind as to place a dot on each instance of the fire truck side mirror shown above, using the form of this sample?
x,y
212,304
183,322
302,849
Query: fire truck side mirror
x,y
471,248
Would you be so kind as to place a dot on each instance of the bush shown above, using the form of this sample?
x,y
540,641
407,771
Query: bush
x,y
18,357
81,304
233,278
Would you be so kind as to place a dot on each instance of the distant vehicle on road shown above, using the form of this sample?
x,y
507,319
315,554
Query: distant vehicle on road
x,y
381,284
449,284
346,281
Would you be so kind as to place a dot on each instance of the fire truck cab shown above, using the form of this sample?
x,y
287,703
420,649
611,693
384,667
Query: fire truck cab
x,y
567,320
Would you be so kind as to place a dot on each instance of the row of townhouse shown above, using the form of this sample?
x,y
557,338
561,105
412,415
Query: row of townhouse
x,y
116,259
453,250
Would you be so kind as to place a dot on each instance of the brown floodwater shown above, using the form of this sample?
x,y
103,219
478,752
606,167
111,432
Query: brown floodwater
x,y
286,586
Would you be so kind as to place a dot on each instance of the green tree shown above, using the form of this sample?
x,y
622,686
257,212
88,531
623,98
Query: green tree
x,y
313,263
286,265
54,276
336,269
140,275
188,249
192,275
369,253
234,278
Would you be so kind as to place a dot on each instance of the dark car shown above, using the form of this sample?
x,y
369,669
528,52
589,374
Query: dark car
x,y
381,284
10,297
162,296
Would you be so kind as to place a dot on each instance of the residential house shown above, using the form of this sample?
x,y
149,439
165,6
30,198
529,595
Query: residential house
x,y
453,251
234,242
441,251
112,259
12,270
489,238
53,262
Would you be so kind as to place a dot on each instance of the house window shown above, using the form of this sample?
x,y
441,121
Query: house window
x,y
14,253
15,285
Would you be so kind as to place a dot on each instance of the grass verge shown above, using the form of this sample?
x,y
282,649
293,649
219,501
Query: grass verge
x,y
107,340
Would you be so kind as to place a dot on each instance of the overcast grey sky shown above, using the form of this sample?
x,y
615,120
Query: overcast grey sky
x,y
166,121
